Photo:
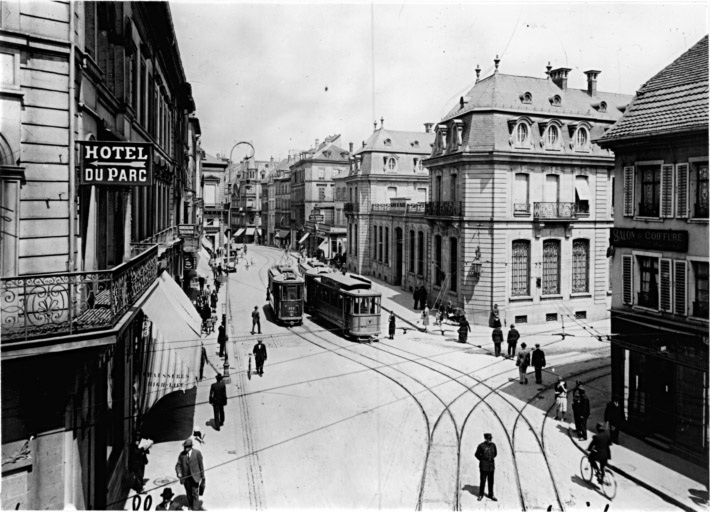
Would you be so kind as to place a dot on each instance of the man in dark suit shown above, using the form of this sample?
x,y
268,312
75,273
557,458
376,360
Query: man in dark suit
x,y
600,450
614,416
218,399
486,454
191,472
538,362
259,357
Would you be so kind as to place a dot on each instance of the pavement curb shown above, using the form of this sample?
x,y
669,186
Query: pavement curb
x,y
649,487
414,326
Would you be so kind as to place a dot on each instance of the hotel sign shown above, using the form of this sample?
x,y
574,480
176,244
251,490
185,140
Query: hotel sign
x,y
116,163
662,240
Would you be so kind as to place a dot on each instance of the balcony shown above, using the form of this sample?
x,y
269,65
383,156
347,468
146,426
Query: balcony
x,y
648,210
648,299
389,207
61,304
700,211
164,238
521,209
443,209
416,207
554,211
700,309
351,207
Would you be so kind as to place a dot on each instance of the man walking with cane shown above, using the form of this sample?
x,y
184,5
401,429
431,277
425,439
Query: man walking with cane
x,y
259,357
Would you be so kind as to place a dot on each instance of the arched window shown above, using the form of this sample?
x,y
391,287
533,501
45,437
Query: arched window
x,y
552,136
581,138
551,267
522,134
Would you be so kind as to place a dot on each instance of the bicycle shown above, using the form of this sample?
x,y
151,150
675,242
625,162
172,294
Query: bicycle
x,y
608,486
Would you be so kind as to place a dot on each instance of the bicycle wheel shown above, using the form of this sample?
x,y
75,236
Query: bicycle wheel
x,y
585,468
609,486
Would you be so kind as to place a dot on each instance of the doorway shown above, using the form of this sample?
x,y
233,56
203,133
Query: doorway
x,y
398,256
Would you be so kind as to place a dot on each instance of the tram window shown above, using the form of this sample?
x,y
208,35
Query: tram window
x,y
365,305
376,306
356,306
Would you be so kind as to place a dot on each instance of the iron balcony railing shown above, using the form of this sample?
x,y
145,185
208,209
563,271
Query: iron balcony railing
x,y
163,238
700,309
351,207
559,211
388,207
59,304
416,207
443,209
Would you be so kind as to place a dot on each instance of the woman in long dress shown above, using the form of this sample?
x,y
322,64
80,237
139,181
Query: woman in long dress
x,y
392,325
425,317
464,329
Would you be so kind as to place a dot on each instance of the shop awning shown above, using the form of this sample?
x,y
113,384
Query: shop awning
x,y
203,264
582,187
239,232
206,243
303,238
283,234
175,350
323,245
258,231
250,231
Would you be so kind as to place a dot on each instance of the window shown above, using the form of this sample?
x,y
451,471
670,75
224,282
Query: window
x,y
387,245
210,194
648,272
321,193
454,186
375,245
142,80
701,193
581,138
520,286
580,266
438,272
453,262
552,136
650,191
380,245
391,192
321,173
421,194
390,163
581,195
522,134
526,98
420,253
700,305
521,191
437,190
611,191
551,193
551,267
411,251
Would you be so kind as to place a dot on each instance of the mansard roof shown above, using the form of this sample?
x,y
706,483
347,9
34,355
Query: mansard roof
x,y
391,141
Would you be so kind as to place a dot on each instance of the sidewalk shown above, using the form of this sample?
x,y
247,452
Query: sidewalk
x,y
675,480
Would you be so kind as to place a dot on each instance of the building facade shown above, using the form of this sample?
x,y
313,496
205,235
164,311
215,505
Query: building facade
x,y
282,210
313,195
386,191
91,92
520,202
660,257
215,197
247,215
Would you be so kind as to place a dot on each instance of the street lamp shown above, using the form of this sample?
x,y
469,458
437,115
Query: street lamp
x,y
229,247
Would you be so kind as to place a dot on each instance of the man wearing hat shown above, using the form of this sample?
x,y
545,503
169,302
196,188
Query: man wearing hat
x,y
218,399
259,356
600,450
168,503
191,472
486,454
538,362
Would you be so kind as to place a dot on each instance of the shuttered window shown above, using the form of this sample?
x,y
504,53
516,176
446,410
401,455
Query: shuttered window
x,y
629,191
681,189
580,266
520,286
680,276
627,277
648,289
551,267
667,191
666,286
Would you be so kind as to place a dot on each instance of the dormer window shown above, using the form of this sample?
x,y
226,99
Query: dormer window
x,y
442,131
326,154
520,132
579,136
556,100
550,134
388,142
600,107
526,98
415,144
390,163
458,132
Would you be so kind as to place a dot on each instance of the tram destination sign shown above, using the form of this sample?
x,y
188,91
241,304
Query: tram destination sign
x,y
658,239
116,163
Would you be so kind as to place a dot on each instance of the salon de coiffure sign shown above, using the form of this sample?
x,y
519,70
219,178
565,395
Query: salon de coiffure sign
x,y
116,163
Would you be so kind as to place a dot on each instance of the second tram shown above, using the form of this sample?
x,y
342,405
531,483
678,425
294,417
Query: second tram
x,y
286,294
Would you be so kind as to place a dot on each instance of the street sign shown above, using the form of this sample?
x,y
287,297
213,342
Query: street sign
x,y
317,218
109,163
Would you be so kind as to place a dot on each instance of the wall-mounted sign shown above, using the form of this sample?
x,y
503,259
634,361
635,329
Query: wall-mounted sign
x,y
662,240
187,230
116,163
188,262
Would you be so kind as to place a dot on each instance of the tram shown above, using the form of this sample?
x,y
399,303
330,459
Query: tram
x,y
286,294
347,301
310,270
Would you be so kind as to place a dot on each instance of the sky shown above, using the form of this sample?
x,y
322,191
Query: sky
x,y
281,75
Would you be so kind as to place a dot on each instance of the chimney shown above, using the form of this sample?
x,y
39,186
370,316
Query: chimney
x,y
478,72
427,127
549,68
382,122
374,123
496,61
559,77
351,147
592,81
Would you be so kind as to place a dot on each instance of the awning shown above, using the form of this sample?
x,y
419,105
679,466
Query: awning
x,y
323,245
303,238
175,350
283,234
203,265
582,187
258,231
239,232
250,231
206,243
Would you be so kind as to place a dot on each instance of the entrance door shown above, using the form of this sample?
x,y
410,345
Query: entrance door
x,y
398,257
660,403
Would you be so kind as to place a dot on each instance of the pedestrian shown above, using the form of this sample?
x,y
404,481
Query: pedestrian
x,y
202,283
442,312
464,329
494,317
561,400
538,362
218,283
168,503
486,454
191,472
522,361
513,337
138,460
416,298
497,336
218,399
425,318
614,417
449,310
580,409
392,326
600,451
214,298
206,314
259,356
255,320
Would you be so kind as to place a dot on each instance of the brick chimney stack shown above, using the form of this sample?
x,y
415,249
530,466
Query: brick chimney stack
x,y
559,77
592,81
427,127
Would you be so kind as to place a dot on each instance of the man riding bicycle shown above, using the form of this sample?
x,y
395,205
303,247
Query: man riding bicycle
x,y
600,451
